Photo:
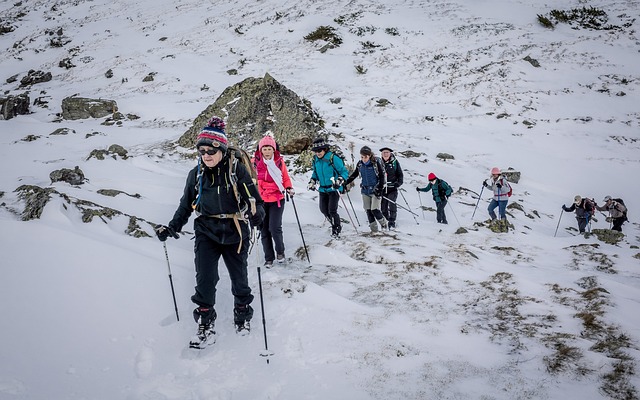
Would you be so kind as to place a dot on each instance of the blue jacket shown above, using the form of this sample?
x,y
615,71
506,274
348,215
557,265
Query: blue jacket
x,y
372,174
327,167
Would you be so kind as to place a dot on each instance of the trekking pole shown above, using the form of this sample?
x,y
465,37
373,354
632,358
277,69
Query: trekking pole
x,y
345,207
173,293
266,352
353,209
299,227
479,197
421,206
454,215
559,219
408,206
399,205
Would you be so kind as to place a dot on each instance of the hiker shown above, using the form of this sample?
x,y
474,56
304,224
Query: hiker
x,y
273,181
371,170
501,190
617,212
329,172
221,228
395,177
441,192
584,210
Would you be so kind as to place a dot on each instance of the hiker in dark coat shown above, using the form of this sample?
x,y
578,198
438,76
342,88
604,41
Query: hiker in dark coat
x,y
221,227
584,211
441,192
395,178
617,212
371,171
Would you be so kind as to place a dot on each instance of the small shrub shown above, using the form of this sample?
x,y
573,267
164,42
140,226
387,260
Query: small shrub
x,y
361,70
544,21
326,33
392,31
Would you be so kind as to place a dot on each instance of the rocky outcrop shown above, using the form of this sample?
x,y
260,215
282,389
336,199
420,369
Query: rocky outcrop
x,y
83,108
71,176
512,175
35,199
34,77
255,106
12,106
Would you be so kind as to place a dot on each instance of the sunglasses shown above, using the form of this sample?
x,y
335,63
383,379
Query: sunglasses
x,y
209,152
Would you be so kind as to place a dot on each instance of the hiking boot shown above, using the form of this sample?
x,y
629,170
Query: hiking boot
x,y
205,336
280,258
383,223
335,231
268,264
242,314
373,226
392,225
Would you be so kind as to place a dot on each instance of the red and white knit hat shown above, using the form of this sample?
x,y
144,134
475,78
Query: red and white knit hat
x,y
213,135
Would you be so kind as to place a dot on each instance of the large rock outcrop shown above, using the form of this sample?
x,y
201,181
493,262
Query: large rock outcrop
x,y
12,106
83,108
257,105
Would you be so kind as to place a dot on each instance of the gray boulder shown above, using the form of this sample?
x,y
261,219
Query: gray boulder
x,y
512,175
34,77
72,176
256,105
83,108
12,106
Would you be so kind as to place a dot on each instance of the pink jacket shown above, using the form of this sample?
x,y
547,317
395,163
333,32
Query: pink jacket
x,y
268,189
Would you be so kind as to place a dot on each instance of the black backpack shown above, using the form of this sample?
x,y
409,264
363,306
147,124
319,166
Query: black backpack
x,y
624,213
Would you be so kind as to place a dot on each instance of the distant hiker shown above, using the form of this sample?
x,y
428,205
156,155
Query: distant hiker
x,y
273,181
395,178
584,210
221,228
441,192
501,192
372,173
617,212
330,173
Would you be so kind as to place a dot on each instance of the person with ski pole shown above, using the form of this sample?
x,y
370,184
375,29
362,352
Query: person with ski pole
x,y
441,192
617,212
273,182
329,174
373,178
225,199
584,209
395,178
501,192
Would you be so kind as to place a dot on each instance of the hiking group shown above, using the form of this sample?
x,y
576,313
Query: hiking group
x,y
233,195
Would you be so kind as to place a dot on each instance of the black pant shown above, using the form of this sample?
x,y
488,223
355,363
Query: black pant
x,y
329,207
617,224
208,254
582,224
272,230
389,209
440,216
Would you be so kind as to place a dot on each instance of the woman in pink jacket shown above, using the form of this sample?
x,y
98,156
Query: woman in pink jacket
x,y
273,181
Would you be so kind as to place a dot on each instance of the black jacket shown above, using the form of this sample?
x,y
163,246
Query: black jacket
x,y
395,176
216,197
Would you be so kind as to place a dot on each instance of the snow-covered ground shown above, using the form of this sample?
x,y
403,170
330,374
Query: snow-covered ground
x,y
421,313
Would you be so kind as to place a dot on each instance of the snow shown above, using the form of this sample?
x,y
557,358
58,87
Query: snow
x,y
421,313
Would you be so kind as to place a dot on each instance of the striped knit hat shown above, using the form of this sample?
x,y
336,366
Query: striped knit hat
x,y
213,135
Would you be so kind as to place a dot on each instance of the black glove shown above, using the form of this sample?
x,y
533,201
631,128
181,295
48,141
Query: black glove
x,y
163,232
377,192
338,182
499,185
312,184
417,189
564,208
256,219
484,183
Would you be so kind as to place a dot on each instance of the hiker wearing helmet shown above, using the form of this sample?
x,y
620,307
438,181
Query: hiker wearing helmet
x,y
441,192
584,211
501,192
617,212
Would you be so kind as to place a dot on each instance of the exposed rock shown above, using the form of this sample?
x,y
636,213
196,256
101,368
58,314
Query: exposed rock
x,y
72,176
30,138
114,193
410,154
512,175
461,230
134,229
35,198
113,151
608,236
12,78
149,77
109,73
532,61
116,149
34,77
232,71
82,108
382,102
257,105
515,206
496,225
12,106
62,131
445,156
66,63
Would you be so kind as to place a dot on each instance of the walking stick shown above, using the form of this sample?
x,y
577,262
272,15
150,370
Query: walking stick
x,y
408,206
479,197
173,293
299,227
352,209
265,353
345,207
421,206
399,205
559,219
454,214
